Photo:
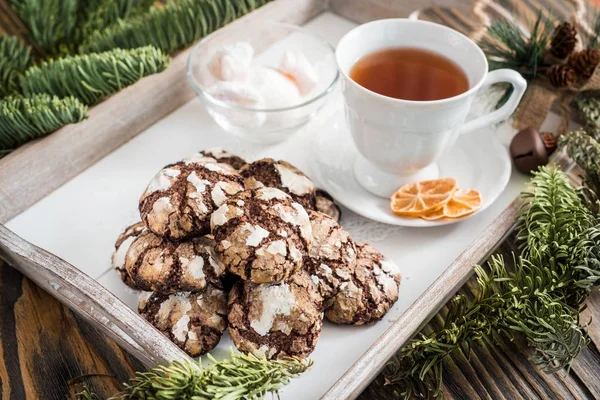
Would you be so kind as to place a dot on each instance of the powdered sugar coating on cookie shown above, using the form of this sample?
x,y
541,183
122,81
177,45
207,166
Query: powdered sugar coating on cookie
x,y
180,198
276,320
122,246
224,157
281,175
332,255
155,263
370,293
261,235
194,321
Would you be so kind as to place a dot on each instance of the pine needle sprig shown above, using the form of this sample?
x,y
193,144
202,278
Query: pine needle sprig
x,y
506,46
587,106
170,27
240,377
15,57
585,151
27,118
93,77
51,22
538,297
594,39
103,13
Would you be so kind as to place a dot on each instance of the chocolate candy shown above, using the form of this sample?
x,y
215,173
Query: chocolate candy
x,y
530,149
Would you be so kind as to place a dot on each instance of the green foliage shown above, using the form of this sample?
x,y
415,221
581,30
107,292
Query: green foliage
x,y
241,377
594,42
539,297
99,14
93,77
23,119
51,22
506,47
585,151
170,27
14,59
588,107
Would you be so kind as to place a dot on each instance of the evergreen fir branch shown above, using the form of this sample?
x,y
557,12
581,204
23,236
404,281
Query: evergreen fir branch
x,y
587,106
14,59
594,42
585,151
99,14
27,118
51,22
93,77
171,27
240,377
506,46
539,297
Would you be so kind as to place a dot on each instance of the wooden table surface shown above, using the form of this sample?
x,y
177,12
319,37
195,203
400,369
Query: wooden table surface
x,y
44,346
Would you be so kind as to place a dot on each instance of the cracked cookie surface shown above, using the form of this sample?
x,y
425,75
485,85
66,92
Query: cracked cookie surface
x,y
194,321
154,263
281,175
276,320
179,200
224,157
261,235
122,245
324,203
332,255
371,292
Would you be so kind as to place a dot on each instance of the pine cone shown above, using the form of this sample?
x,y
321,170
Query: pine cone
x,y
561,75
584,62
564,39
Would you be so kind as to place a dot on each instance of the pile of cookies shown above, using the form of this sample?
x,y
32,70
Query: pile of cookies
x,y
254,248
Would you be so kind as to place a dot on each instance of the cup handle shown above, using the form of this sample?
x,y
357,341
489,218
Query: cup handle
x,y
500,75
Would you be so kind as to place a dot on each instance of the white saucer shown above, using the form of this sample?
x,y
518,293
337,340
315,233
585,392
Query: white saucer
x,y
477,160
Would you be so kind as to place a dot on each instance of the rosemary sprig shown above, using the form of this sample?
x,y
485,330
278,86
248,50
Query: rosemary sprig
x,y
585,151
539,297
506,46
51,22
170,27
14,59
23,119
240,377
93,77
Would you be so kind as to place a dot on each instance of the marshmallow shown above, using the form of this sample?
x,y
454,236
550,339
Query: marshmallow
x,y
240,94
232,63
276,89
300,70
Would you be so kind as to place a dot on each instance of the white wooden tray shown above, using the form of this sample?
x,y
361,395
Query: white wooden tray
x,y
80,221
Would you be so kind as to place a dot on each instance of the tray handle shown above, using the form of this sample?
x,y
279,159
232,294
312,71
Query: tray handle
x,y
89,299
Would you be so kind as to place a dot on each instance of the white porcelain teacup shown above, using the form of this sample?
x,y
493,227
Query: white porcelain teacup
x,y
399,141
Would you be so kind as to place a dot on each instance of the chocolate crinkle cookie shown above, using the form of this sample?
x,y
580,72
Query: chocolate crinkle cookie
x,y
276,320
194,321
179,200
332,255
281,175
261,235
371,292
122,245
324,203
224,157
157,264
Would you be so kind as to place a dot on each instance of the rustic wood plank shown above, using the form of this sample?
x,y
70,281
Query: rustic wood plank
x,y
33,171
43,345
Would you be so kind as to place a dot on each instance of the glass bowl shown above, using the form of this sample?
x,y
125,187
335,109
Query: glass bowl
x,y
270,40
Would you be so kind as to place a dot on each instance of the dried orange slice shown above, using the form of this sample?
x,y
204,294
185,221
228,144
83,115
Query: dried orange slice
x,y
462,203
419,198
434,215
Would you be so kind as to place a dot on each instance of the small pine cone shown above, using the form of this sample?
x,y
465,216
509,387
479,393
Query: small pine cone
x,y
564,39
549,141
584,62
561,75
